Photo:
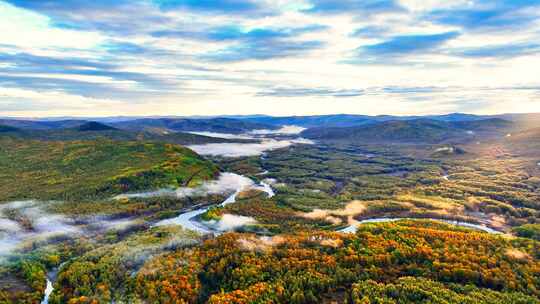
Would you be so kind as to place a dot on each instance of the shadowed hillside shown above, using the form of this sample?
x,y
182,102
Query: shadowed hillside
x,y
94,126
4,129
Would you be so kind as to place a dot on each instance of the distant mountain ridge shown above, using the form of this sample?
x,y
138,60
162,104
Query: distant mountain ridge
x,y
241,123
319,125
218,125
349,120
94,130
41,124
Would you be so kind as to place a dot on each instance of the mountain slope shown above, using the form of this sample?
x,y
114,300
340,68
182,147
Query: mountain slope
x,y
95,131
340,120
349,120
490,124
155,125
42,124
93,126
94,169
524,142
410,131
218,125
5,129
402,131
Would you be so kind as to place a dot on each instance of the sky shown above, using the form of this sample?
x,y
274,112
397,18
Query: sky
x,y
275,57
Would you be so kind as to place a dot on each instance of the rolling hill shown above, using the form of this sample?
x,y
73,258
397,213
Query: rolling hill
x,y
412,131
93,126
218,125
340,120
96,130
94,169
488,125
525,142
5,129
42,124
243,123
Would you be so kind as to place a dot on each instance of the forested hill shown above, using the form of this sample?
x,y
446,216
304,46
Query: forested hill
x,y
403,262
95,131
350,120
218,125
5,129
417,131
94,169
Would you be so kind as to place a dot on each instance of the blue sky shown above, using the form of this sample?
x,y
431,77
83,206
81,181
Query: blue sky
x,y
278,57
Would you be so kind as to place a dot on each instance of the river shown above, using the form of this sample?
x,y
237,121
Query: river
x,y
354,227
48,291
188,219
51,276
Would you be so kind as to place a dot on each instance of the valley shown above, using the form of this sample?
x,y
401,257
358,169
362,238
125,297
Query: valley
x,y
269,152
270,215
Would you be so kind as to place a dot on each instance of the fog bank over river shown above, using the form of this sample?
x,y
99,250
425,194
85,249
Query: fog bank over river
x,y
247,149
268,140
188,220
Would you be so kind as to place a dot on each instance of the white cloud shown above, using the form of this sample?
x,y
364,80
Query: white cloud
x,y
30,30
196,86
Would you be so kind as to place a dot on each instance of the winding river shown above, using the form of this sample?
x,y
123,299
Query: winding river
x,y
51,276
354,227
48,291
188,219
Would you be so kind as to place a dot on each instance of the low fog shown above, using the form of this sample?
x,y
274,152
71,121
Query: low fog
x,y
226,183
285,130
230,222
241,149
222,135
25,222
250,149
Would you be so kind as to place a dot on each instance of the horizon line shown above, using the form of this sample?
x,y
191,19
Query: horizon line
x,y
248,115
